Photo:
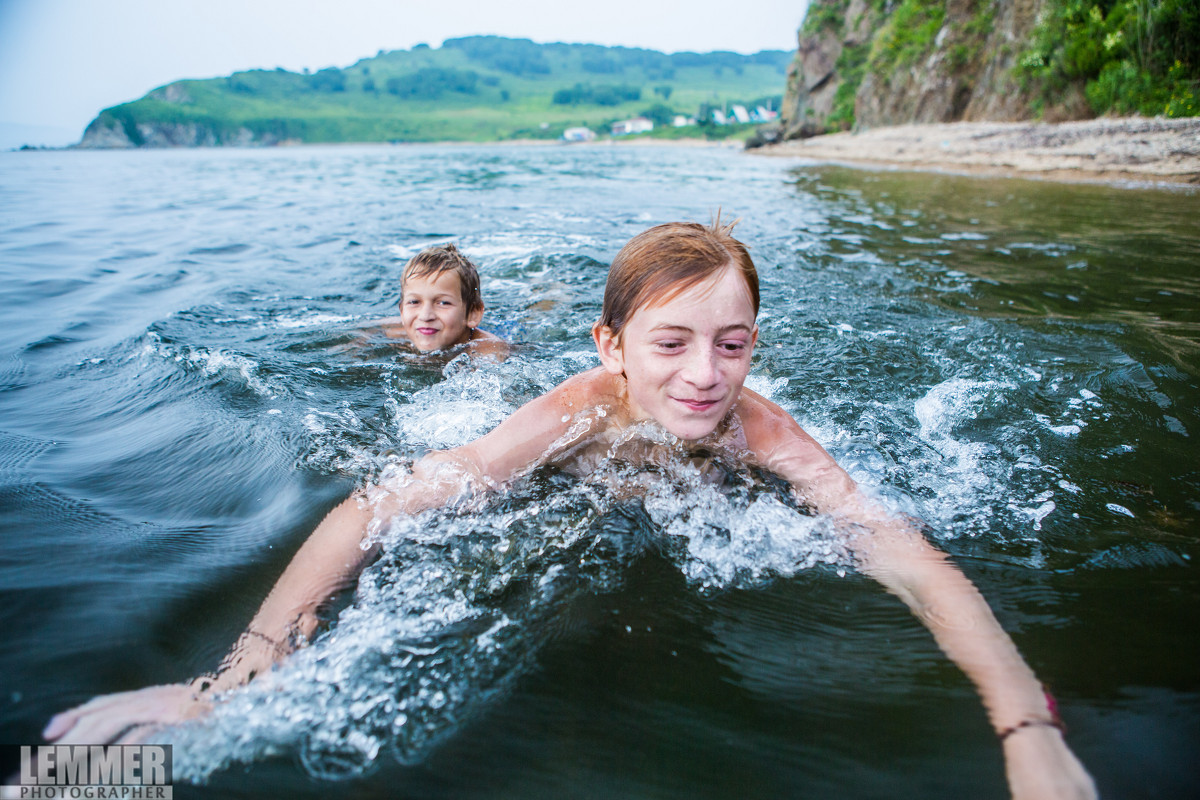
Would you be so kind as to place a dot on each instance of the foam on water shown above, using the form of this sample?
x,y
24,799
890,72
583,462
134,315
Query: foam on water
x,y
971,477
474,397
239,369
461,600
730,545
306,320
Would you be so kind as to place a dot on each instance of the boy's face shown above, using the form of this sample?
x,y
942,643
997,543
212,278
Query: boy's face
x,y
433,312
685,360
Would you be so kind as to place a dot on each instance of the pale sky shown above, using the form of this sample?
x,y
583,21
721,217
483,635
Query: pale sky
x,y
62,61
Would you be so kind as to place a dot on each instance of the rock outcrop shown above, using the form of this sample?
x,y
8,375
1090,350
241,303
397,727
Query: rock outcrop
x,y
107,133
865,64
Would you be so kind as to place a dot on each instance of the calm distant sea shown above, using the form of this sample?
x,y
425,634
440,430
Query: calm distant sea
x,y
184,393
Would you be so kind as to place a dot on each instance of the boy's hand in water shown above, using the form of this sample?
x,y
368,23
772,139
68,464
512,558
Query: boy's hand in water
x,y
1040,766
324,564
125,717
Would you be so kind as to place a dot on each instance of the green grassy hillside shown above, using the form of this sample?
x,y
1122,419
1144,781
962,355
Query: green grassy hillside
x,y
479,88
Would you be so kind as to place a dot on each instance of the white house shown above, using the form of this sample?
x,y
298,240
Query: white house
x,y
635,125
578,135
739,114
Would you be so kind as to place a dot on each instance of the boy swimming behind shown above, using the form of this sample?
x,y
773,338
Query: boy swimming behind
x,y
440,304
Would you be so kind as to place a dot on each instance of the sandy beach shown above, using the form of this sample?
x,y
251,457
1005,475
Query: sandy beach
x,y
1136,149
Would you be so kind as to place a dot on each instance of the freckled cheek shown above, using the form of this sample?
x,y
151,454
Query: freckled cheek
x,y
657,375
735,373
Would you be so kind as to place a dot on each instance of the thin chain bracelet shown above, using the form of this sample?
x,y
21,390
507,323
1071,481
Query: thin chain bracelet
x,y
1032,723
1055,720
278,647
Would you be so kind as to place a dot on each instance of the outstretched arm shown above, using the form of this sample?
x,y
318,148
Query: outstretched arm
x,y
327,562
1038,762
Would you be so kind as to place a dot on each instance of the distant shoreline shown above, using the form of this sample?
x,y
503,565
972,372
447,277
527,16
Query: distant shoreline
x,y
631,141
1125,151
1108,150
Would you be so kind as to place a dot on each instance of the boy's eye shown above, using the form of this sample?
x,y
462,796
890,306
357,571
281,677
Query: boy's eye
x,y
732,347
669,346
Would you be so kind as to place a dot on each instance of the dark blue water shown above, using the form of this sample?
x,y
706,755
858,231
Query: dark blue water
x,y
184,394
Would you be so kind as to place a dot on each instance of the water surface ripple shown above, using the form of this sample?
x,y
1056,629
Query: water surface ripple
x,y
183,395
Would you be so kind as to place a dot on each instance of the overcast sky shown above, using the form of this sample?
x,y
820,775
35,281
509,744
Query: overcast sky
x,y
62,61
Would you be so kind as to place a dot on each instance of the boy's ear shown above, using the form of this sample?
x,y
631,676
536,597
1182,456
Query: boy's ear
x,y
609,348
475,317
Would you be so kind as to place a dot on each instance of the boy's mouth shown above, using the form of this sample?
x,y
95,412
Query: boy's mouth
x,y
697,405
427,331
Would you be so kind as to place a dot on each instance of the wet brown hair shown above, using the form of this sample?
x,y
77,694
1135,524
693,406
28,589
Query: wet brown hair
x,y
433,261
663,261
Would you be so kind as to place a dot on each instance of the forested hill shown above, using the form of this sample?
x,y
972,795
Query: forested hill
x,y
478,88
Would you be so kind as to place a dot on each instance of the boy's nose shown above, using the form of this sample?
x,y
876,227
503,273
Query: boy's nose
x,y
700,369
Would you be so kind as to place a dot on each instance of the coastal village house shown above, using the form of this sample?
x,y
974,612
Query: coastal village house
x,y
579,134
737,114
635,125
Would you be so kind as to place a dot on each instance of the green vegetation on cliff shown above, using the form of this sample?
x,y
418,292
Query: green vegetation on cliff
x,y
908,34
1129,56
887,62
479,88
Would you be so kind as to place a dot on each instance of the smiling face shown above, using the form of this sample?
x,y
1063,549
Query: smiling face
x,y
685,358
433,312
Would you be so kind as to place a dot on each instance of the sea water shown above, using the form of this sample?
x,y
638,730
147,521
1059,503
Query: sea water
x,y
186,389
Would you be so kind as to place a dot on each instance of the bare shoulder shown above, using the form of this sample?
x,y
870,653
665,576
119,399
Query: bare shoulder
x,y
766,423
485,343
577,393
778,443
587,390
583,392
526,437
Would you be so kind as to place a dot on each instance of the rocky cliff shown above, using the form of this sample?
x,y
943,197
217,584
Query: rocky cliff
x,y
109,133
120,127
870,63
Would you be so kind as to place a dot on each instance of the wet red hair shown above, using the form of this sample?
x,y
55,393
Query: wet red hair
x,y
659,263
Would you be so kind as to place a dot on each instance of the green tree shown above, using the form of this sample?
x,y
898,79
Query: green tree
x,y
1128,56
659,114
330,79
